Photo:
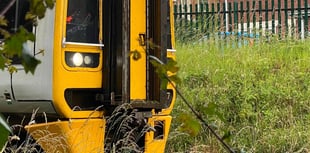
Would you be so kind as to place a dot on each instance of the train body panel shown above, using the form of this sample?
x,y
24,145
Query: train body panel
x,y
70,45
26,90
37,86
76,136
138,65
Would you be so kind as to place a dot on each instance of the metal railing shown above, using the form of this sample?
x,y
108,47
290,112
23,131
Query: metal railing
x,y
285,18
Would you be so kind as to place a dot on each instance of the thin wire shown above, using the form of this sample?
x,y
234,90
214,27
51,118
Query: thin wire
x,y
12,90
201,118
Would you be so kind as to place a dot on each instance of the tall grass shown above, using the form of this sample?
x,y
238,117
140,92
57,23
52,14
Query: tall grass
x,y
262,94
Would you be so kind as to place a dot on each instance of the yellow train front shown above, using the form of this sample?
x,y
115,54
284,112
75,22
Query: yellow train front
x,y
89,68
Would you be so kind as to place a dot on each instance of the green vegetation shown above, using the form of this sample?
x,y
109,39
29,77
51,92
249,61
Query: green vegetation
x,y
257,97
12,45
4,132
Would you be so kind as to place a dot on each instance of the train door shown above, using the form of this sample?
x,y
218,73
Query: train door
x,y
116,52
150,30
130,27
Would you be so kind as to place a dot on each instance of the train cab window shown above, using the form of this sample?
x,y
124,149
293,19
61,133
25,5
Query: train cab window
x,y
15,15
82,21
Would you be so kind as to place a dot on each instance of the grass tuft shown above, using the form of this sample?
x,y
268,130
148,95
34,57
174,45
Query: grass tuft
x,y
261,93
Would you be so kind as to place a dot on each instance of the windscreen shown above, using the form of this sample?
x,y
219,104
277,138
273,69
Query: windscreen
x,y
82,21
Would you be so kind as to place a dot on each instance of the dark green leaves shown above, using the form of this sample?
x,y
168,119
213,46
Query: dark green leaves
x,y
210,110
29,62
3,136
4,124
14,44
38,7
189,124
3,21
4,131
49,3
2,62
163,69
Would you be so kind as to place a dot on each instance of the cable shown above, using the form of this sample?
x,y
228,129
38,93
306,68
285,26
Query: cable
x,y
12,90
198,116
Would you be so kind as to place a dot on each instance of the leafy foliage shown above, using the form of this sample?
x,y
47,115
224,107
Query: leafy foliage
x,y
13,45
167,72
29,63
163,69
4,131
38,8
189,124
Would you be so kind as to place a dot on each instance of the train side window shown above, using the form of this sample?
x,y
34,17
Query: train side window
x,y
82,21
16,15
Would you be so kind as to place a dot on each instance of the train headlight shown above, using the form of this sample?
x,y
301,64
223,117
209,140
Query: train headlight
x,y
87,60
78,59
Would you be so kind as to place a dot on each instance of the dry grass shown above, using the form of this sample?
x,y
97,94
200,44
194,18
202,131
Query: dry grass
x,y
125,131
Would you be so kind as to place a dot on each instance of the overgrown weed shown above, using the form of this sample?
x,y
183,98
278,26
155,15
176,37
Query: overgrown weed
x,y
125,131
261,93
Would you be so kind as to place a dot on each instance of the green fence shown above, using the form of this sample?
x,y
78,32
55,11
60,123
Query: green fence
x,y
253,18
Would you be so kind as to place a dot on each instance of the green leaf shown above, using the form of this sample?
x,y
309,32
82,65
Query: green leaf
x,y
30,16
162,71
4,131
211,110
37,8
49,3
153,45
189,124
2,62
175,78
172,66
3,136
227,136
159,68
4,124
29,62
3,21
12,69
163,83
14,44
4,33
